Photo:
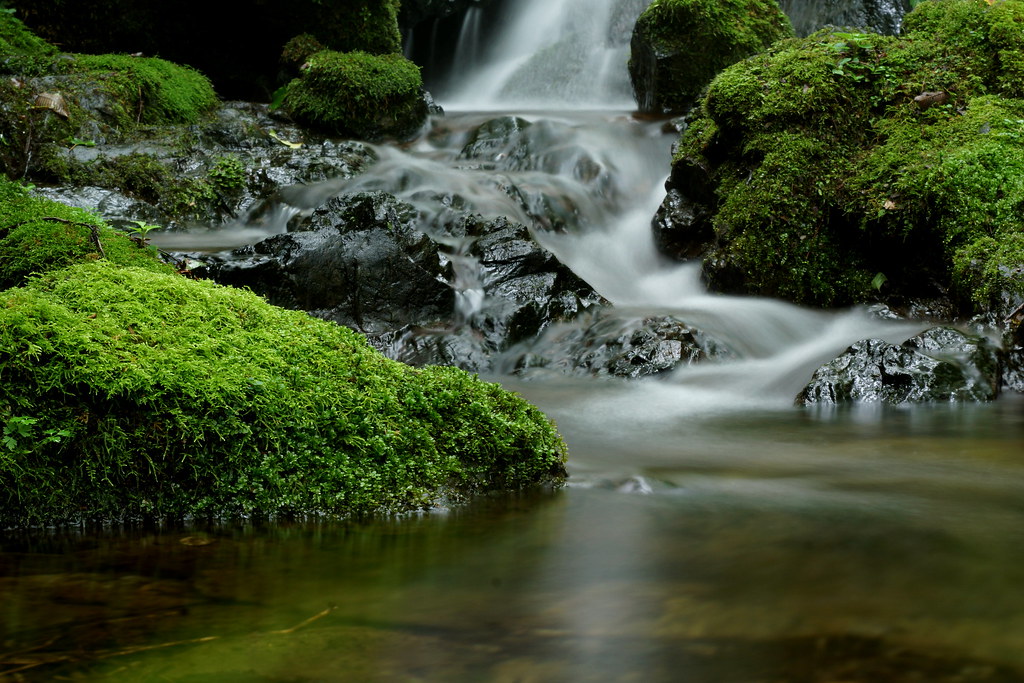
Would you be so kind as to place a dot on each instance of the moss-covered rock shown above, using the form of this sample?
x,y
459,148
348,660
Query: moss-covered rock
x,y
129,391
37,236
49,100
679,45
848,166
358,94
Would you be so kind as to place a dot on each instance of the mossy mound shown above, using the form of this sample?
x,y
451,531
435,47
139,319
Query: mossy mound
x,y
37,235
16,40
845,167
148,89
129,393
358,94
679,45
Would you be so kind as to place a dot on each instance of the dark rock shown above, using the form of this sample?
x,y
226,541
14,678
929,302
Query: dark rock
x,y
413,12
941,364
360,263
682,228
611,343
678,47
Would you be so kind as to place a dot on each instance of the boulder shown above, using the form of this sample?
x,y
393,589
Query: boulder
x,y
357,94
827,181
679,45
939,365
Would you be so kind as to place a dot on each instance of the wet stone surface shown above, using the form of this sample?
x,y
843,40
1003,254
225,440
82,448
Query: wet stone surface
x,y
941,364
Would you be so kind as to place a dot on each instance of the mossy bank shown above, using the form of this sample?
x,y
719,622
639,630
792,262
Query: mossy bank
x,y
128,391
846,166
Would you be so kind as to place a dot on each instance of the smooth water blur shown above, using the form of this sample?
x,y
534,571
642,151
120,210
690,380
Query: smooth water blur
x,y
790,544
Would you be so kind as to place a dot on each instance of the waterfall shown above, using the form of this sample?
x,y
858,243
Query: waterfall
x,y
548,54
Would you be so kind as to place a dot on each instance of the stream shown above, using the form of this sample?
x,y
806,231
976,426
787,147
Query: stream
x,y
710,530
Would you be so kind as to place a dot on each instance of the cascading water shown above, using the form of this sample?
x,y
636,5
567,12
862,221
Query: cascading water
x,y
549,54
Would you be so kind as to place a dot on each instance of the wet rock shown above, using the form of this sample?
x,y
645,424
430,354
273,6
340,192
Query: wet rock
x,y
682,228
455,298
940,364
611,343
876,16
678,47
359,262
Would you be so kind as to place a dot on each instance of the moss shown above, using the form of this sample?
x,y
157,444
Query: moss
x,y
299,49
358,94
38,235
150,90
17,41
679,45
128,393
822,171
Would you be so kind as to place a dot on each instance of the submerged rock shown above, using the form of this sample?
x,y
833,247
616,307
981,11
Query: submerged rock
x,y
941,364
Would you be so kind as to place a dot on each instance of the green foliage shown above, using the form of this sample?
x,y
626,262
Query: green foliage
x,y
179,398
150,90
227,175
828,172
686,42
38,235
358,94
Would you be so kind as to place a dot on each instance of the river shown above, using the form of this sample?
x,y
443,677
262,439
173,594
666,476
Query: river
x,y
710,531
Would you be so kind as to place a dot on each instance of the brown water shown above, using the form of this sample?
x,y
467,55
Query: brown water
x,y
780,545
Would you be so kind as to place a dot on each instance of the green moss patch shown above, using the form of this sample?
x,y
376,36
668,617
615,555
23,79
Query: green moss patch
x,y
38,235
358,94
16,40
127,393
839,162
150,90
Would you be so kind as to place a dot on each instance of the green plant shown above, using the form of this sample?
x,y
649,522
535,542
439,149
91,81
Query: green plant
x,y
22,437
142,228
227,175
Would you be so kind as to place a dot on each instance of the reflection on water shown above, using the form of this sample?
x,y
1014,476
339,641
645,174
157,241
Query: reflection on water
x,y
761,546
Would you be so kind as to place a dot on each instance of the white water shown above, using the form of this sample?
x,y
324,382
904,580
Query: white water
x,y
549,54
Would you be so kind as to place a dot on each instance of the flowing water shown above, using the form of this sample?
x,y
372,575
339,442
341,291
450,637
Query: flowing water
x,y
711,531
